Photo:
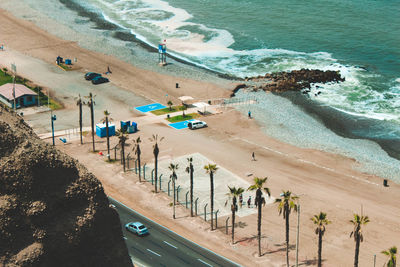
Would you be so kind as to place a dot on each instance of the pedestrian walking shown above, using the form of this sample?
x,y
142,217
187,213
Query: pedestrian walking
x,y
249,202
108,70
249,114
241,200
253,156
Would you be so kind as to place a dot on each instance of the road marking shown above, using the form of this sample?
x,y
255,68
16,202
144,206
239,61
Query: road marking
x,y
204,262
170,244
154,252
170,231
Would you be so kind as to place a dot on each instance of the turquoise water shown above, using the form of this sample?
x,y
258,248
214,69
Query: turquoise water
x,y
246,38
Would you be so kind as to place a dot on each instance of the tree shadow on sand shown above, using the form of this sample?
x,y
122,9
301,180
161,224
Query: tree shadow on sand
x,y
247,239
282,247
310,262
241,224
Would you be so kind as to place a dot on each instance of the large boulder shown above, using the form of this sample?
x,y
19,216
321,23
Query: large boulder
x,y
53,212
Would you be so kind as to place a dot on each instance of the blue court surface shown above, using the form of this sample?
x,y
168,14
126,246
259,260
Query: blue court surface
x,y
150,107
180,125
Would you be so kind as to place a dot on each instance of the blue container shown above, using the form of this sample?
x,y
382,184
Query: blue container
x,y
125,125
68,61
101,130
134,126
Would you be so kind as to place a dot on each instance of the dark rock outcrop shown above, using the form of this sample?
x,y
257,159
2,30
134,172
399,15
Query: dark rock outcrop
x,y
295,80
53,212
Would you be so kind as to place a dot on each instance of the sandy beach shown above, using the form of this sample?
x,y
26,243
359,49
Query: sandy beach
x,y
324,181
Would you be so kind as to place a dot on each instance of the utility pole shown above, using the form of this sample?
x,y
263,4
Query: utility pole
x,y
298,237
14,69
90,104
80,117
53,118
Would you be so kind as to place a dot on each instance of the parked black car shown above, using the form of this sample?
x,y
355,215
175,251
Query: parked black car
x,y
99,80
91,75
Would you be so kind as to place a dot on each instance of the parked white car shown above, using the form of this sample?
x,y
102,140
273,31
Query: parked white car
x,y
196,124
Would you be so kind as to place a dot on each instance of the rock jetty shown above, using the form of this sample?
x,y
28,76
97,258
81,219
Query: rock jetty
x,y
295,80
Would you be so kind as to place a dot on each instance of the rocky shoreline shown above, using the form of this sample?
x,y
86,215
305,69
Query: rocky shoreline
x,y
295,80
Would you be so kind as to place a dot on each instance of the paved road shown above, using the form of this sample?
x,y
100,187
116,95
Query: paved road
x,y
163,247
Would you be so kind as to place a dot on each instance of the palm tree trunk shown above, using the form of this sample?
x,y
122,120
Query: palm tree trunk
x,y
259,225
319,248
155,173
108,140
357,251
140,175
287,236
80,120
123,154
191,190
92,118
233,223
212,200
173,182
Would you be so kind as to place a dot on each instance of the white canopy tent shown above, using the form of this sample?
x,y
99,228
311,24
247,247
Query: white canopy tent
x,y
201,105
185,98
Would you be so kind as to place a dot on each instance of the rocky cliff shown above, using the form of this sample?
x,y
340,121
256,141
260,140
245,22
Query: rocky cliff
x,y
53,212
295,80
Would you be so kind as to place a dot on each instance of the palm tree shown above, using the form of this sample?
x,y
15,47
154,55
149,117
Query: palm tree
x,y
79,103
260,201
234,193
170,105
211,169
321,221
286,204
138,152
173,177
190,170
358,221
105,120
156,151
90,104
391,252
122,140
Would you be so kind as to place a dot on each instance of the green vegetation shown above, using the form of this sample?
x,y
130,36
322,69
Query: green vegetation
x,y
6,78
181,118
44,100
65,67
168,110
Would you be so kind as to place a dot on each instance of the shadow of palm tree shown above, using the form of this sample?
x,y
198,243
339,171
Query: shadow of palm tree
x,y
241,224
281,249
246,239
310,262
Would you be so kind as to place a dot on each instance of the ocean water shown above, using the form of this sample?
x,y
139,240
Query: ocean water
x,y
360,38
243,38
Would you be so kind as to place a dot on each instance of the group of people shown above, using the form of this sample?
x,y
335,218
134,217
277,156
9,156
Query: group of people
x,y
248,201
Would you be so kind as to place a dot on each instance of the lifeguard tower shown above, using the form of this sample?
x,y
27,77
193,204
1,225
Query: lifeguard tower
x,y
162,54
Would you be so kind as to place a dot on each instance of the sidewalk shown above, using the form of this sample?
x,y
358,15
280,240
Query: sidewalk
x,y
148,118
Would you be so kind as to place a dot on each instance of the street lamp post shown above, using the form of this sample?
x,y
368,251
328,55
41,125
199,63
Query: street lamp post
x,y
53,118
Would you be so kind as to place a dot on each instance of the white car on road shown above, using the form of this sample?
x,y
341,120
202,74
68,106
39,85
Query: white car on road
x,y
196,124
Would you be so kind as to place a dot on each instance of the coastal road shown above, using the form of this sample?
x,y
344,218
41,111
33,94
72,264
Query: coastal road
x,y
163,247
